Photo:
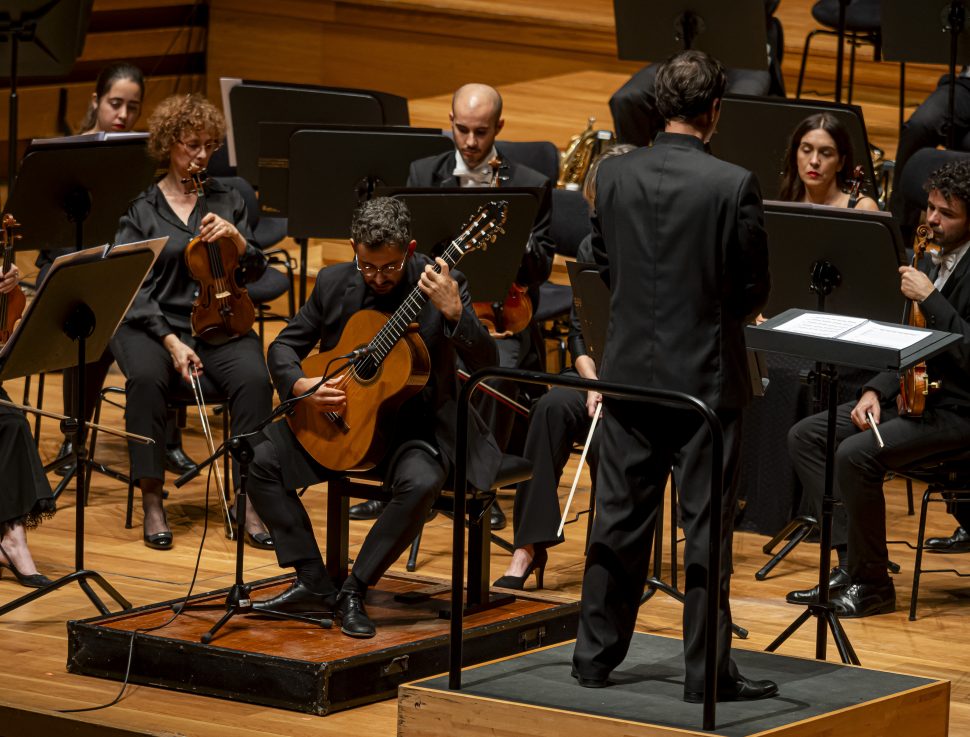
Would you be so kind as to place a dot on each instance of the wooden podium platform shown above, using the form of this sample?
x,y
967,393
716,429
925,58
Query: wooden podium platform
x,y
302,667
534,694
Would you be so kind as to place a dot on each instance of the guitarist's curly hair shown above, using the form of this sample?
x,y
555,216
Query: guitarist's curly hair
x,y
382,221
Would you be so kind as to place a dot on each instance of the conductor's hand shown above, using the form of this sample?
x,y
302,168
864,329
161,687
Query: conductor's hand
x,y
915,284
214,227
183,358
868,402
442,290
10,279
327,398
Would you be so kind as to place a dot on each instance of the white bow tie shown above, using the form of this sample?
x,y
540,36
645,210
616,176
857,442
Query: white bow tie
x,y
484,177
943,259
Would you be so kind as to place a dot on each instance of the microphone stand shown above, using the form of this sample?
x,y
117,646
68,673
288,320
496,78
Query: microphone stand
x,y
238,600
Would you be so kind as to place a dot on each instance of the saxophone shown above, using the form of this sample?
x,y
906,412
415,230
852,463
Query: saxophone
x,y
579,155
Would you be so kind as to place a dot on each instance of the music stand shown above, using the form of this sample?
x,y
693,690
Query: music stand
x,y
71,315
754,132
733,33
69,195
355,162
911,33
438,213
44,41
249,103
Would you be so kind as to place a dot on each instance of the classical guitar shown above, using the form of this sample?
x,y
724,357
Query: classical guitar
x,y
394,367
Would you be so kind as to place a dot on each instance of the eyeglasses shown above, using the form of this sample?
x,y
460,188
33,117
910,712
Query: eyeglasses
x,y
387,269
194,148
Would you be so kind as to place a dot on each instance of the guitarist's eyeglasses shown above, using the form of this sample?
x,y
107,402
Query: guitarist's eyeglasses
x,y
370,270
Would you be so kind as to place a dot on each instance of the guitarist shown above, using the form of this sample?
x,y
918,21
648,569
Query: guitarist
x,y
384,271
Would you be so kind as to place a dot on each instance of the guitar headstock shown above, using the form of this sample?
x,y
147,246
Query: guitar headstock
x,y
484,227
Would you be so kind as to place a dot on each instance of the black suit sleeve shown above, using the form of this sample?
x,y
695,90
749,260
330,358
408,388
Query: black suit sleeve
x,y
752,254
475,347
295,342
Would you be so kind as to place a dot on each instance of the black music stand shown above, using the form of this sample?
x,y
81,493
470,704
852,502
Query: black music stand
x,y
333,171
45,39
911,33
69,195
733,33
753,132
72,314
437,214
249,103
828,339
829,259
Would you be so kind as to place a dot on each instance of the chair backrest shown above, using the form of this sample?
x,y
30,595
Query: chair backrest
x,y
249,197
570,221
543,156
917,171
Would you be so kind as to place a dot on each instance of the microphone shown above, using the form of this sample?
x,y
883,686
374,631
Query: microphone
x,y
357,354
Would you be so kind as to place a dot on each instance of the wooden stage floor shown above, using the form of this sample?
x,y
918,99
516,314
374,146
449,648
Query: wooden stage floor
x,y
33,675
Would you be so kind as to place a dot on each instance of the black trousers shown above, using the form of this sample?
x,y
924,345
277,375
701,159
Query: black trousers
x,y
861,466
636,119
236,369
926,128
638,448
558,421
415,482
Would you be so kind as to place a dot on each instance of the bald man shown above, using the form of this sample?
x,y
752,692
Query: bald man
x,y
476,120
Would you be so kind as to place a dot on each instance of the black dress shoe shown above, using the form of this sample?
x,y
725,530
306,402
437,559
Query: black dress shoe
x,y
353,617
838,580
66,453
371,509
958,542
589,682
865,600
160,540
177,461
497,518
297,599
742,689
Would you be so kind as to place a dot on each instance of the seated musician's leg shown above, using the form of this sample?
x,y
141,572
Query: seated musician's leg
x,y
296,546
558,420
415,482
148,372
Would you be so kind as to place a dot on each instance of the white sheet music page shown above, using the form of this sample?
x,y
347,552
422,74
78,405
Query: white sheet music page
x,y
820,324
885,336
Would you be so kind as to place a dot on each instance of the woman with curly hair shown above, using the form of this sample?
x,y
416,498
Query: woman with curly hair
x,y
819,164
154,345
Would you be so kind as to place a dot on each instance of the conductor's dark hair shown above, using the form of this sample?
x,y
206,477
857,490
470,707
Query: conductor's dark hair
x,y
382,221
792,187
687,84
952,180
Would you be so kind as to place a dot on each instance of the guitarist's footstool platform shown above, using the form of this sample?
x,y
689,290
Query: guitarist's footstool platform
x,y
301,667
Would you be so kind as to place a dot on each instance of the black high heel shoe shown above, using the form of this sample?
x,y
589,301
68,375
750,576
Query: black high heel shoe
x,y
261,540
537,564
160,540
34,581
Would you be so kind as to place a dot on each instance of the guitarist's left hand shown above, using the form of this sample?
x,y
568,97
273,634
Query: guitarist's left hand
x,y
442,290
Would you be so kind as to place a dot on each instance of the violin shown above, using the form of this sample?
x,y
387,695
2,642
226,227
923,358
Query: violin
x,y
223,310
854,185
513,315
13,302
914,383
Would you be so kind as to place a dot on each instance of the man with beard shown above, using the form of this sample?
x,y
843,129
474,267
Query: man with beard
x,y
862,586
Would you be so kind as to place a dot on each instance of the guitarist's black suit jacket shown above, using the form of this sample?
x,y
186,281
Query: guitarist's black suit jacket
x,y
430,415
438,171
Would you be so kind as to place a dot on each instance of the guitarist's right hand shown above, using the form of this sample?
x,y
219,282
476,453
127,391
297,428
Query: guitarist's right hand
x,y
328,398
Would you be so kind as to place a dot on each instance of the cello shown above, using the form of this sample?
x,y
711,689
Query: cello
x,y
223,310
914,383
394,366
13,302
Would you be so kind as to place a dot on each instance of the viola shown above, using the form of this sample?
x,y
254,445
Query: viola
x,y
223,309
513,315
914,383
13,302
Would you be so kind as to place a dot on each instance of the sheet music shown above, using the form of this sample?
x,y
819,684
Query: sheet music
x,y
820,324
885,336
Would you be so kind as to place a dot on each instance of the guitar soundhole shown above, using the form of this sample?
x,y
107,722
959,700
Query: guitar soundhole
x,y
367,369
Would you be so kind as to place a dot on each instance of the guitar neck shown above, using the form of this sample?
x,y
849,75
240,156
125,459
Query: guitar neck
x,y
408,312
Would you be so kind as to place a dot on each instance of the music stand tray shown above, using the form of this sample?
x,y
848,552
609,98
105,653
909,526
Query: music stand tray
x,y
73,316
437,214
732,32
